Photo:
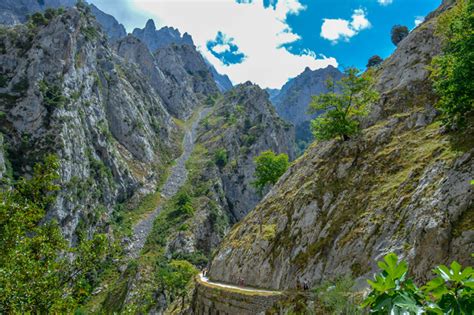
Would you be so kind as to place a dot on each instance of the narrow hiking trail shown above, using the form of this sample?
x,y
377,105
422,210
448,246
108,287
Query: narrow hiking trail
x,y
224,286
176,179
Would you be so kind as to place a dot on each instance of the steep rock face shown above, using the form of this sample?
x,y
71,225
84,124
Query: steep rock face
x,y
163,37
66,92
109,24
244,124
402,185
292,101
189,80
177,73
223,82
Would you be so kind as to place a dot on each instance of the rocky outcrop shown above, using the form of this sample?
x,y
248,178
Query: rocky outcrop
x,y
292,101
161,38
402,185
189,81
109,24
177,73
168,36
67,93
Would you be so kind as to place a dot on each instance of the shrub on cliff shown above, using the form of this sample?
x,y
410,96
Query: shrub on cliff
x,y
374,61
453,71
342,110
398,33
269,168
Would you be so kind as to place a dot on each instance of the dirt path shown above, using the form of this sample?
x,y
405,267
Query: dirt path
x,y
176,179
238,288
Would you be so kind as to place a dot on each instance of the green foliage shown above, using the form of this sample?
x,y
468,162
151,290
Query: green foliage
x,y
268,169
374,61
453,71
183,206
451,292
39,19
391,291
398,33
36,275
341,110
90,33
52,96
337,297
175,277
220,157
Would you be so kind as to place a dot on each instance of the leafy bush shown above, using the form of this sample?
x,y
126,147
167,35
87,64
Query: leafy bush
x,y
176,276
342,110
183,206
453,71
220,157
374,61
451,292
268,169
52,96
398,33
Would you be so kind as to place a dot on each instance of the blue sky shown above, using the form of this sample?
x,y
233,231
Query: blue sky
x,y
270,41
368,42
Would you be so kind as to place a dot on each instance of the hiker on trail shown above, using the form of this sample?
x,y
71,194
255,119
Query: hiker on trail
x,y
241,281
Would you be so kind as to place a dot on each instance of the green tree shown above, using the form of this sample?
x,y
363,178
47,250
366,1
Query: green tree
x,y
453,70
36,273
341,110
176,276
268,169
398,33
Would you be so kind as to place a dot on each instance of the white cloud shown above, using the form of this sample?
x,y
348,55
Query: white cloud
x,y
259,33
419,20
385,2
336,29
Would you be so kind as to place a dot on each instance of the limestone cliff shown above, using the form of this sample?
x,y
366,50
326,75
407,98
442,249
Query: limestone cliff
x,y
243,125
64,91
402,185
